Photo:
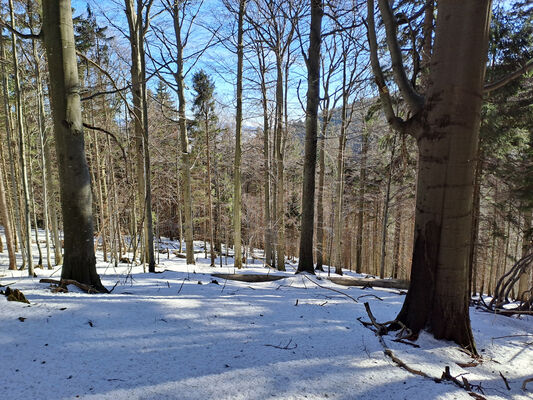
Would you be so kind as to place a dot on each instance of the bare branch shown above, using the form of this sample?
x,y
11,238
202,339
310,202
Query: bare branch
x,y
508,78
412,98
20,34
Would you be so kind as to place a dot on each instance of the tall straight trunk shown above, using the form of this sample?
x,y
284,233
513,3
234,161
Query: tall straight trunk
x,y
266,160
527,246
474,230
320,194
179,201
397,237
33,211
22,147
218,208
438,297
386,214
75,186
305,263
280,185
41,133
339,197
138,84
4,216
148,227
11,241
184,140
361,204
209,188
97,175
237,216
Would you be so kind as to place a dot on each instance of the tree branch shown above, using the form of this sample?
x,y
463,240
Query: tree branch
x,y
490,87
20,34
412,98
395,122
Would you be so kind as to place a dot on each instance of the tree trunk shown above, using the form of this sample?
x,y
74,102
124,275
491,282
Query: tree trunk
x,y
184,140
397,237
305,263
238,128
361,203
438,297
339,185
320,195
75,186
22,148
209,200
41,133
385,221
4,215
266,160
527,246
474,230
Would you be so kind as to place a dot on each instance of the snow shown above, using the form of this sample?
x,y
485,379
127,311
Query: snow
x,y
166,336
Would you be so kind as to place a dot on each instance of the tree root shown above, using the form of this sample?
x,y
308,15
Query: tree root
x,y
62,285
383,329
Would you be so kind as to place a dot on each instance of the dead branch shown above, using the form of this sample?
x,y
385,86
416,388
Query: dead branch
x,y
333,290
381,329
505,381
252,278
286,347
526,381
370,282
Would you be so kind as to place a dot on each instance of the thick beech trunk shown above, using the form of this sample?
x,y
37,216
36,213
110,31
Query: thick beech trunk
x,y
75,186
438,297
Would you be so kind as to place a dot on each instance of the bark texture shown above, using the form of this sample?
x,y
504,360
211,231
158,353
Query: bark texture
x,y
438,297
75,186
305,262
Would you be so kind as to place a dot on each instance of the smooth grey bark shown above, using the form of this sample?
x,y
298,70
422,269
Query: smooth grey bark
x,y
75,186
305,262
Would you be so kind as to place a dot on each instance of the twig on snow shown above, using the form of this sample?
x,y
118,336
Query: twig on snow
x,y
286,347
333,290
381,329
526,381
505,381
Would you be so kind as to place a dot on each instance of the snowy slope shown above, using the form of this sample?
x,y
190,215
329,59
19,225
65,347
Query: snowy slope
x,y
166,336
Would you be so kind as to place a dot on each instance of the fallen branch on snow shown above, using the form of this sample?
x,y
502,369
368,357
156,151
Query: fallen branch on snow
x,y
333,290
381,329
252,278
368,282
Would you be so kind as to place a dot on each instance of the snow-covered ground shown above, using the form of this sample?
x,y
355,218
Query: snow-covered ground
x,y
180,335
